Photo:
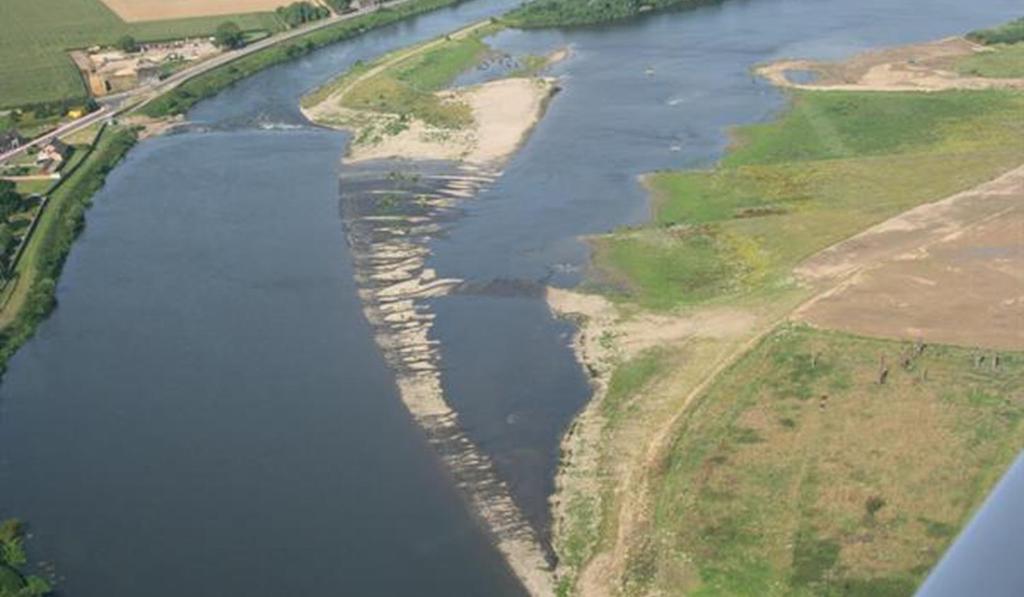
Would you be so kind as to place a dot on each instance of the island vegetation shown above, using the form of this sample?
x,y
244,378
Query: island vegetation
x,y
14,582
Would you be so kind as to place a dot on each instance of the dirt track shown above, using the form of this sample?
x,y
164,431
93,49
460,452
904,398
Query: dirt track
x,y
950,272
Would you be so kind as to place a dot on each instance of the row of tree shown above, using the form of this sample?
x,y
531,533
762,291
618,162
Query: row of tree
x,y
298,13
561,13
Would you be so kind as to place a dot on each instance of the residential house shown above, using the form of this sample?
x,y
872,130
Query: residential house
x,y
52,155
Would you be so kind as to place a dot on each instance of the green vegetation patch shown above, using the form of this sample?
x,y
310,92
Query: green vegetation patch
x,y
564,13
628,379
1003,62
407,88
1007,33
13,581
834,164
799,473
35,36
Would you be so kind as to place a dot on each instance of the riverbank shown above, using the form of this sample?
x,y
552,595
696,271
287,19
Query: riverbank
x,y
669,473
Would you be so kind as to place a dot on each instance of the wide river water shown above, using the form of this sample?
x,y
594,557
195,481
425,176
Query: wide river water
x,y
207,413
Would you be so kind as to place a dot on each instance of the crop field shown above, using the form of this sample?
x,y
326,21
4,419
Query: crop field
x,y
799,473
154,10
837,163
36,34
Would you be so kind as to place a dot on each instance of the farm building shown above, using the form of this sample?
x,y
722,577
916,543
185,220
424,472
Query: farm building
x,y
52,155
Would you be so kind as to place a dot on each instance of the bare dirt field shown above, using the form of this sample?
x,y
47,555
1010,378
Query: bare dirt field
x,y
920,67
156,10
950,272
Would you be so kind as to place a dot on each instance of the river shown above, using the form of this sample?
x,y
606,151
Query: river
x,y
207,411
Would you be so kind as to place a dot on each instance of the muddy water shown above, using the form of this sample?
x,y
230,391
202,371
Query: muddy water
x,y
209,407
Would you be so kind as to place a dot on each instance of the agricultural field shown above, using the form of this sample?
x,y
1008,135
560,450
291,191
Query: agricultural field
x,y
36,34
155,10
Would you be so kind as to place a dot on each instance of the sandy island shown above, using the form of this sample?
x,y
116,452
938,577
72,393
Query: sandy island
x,y
504,112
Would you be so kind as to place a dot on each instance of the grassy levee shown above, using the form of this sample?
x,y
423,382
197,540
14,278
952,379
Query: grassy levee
x,y
36,34
31,295
798,473
833,165
209,84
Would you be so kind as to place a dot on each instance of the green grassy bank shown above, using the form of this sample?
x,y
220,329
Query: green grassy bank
x,y
29,296
798,473
834,164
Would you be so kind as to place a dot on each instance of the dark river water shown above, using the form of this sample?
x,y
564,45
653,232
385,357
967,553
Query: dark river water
x,y
207,412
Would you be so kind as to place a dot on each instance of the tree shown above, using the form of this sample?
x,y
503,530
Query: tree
x,y
229,35
127,44
10,199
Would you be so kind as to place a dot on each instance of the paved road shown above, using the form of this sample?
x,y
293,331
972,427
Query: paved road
x,y
114,105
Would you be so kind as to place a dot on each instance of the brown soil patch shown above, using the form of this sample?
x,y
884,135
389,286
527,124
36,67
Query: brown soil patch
x,y
919,67
156,10
950,272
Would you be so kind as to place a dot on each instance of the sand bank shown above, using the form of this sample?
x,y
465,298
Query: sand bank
x,y
919,67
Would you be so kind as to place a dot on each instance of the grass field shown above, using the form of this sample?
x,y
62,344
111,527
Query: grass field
x,y
35,34
797,473
835,164
1004,61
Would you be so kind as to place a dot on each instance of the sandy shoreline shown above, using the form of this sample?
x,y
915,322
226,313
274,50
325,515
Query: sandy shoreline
x,y
919,67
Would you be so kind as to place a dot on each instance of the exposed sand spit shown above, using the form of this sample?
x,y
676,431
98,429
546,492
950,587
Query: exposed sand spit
x,y
504,112
919,67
